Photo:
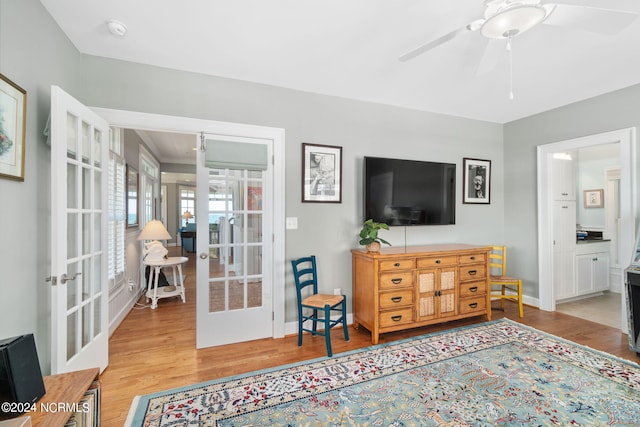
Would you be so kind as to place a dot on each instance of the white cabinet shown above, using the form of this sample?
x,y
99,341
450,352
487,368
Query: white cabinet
x,y
564,248
592,268
564,177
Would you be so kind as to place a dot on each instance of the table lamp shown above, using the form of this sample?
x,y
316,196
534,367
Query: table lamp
x,y
154,230
187,215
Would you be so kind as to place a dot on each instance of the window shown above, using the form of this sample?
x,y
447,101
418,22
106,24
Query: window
x,y
187,203
116,209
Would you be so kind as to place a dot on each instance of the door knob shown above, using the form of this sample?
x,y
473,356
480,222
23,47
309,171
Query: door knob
x,y
204,255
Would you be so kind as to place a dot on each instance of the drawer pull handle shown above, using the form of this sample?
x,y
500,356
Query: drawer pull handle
x,y
474,305
397,264
474,289
396,299
396,318
473,272
396,281
473,258
438,261
438,293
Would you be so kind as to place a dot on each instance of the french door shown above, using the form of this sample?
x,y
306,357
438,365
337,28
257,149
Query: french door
x,y
79,314
234,214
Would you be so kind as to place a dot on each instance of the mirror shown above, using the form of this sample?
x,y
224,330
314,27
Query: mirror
x,y
132,197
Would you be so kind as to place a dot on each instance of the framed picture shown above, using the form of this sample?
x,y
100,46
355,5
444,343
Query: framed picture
x,y
321,173
13,113
132,197
476,181
593,198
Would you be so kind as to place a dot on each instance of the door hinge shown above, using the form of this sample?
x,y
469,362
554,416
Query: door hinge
x,y
52,279
273,315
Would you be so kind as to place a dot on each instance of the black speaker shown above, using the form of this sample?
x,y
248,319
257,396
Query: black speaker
x,y
21,382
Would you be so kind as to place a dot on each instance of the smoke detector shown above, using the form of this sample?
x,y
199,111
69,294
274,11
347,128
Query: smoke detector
x,y
116,28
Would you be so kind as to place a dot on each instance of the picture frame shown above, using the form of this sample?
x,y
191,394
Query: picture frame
x,y
132,197
593,198
476,181
321,173
13,113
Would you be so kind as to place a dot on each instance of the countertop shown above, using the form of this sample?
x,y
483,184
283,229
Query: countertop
x,y
583,241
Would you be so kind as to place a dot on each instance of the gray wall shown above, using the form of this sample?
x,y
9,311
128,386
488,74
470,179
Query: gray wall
x,y
612,111
326,230
35,54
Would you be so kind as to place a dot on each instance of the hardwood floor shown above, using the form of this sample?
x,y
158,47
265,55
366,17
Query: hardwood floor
x,y
154,350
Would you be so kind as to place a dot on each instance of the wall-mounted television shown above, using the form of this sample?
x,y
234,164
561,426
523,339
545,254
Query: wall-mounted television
x,y
409,192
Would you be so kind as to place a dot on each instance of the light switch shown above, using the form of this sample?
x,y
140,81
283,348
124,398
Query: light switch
x,y
292,223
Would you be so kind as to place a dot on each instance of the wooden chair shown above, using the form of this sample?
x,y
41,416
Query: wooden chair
x,y
320,306
498,263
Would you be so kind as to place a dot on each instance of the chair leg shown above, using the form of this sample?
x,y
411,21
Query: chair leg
x,y
315,322
299,327
344,319
327,329
502,299
520,308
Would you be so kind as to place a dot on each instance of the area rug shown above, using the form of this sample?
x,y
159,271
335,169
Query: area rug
x,y
497,373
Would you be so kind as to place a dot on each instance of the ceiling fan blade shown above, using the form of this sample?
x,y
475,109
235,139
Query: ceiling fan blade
x,y
432,44
588,18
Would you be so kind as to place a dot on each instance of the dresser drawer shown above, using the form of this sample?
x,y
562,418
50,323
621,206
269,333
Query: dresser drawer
x,y
397,264
471,289
394,299
396,317
396,279
470,305
472,258
471,272
437,261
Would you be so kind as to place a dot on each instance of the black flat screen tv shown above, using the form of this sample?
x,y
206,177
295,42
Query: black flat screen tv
x,y
409,192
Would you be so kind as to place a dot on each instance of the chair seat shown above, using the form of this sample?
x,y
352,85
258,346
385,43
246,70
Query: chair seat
x,y
320,300
497,279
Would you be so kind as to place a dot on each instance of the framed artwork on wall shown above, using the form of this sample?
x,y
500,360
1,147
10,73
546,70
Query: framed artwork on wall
x,y
593,198
132,197
321,173
476,181
13,113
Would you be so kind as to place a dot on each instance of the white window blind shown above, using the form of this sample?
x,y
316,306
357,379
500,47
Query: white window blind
x,y
235,155
116,209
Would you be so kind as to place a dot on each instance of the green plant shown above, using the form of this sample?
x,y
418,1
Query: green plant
x,y
369,232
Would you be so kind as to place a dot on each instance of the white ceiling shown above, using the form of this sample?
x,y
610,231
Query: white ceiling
x,y
350,48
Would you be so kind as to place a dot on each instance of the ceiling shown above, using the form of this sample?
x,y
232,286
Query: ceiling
x,y
350,49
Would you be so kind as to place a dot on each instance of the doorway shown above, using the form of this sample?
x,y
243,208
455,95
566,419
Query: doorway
x,y
153,122
625,138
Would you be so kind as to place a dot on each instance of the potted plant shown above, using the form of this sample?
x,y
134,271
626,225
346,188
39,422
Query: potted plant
x,y
369,235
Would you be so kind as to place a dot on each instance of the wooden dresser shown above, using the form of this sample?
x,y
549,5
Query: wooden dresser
x,y
402,288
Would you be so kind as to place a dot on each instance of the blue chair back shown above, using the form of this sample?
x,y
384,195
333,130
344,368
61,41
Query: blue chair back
x,y
305,274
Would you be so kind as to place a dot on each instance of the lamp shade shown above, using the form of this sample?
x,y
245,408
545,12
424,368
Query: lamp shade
x,y
187,215
154,230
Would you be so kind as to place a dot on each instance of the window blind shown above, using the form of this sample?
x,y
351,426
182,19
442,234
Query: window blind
x,y
221,154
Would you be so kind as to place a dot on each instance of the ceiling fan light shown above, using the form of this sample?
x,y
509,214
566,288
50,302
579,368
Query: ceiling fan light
x,y
513,21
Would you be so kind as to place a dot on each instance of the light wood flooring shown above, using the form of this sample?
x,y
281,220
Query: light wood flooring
x,y
154,350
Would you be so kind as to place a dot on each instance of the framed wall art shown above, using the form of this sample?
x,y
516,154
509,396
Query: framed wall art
x,y
13,113
593,198
476,181
321,173
132,197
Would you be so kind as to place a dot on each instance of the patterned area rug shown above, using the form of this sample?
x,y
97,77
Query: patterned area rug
x,y
497,373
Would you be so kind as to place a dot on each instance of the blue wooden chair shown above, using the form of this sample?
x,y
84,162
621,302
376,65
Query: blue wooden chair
x,y
314,306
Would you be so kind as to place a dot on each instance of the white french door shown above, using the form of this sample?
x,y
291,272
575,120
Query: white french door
x,y
234,212
79,313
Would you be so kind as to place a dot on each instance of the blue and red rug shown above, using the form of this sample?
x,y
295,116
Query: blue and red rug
x,y
496,373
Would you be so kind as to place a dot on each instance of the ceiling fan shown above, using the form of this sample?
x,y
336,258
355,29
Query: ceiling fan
x,y
506,19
